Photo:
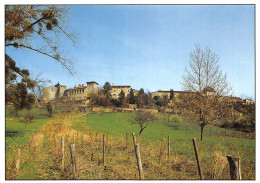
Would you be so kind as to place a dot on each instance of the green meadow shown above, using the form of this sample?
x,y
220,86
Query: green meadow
x,y
39,162
118,124
17,132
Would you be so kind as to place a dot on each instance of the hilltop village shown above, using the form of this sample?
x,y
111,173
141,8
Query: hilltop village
x,y
81,95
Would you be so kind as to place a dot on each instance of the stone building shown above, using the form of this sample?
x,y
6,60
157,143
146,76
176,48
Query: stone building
x,y
77,93
116,89
159,94
53,92
82,92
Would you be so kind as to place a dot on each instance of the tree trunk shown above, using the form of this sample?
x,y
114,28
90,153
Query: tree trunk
x,y
141,131
201,131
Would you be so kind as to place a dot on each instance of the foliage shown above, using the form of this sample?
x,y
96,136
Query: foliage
x,y
248,112
16,93
107,92
240,123
115,102
132,97
141,98
122,99
97,99
107,87
171,94
26,22
163,101
142,118
27,118
176,120
148,99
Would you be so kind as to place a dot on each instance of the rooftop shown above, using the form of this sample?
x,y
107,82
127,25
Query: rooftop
x,y
92,82
117,86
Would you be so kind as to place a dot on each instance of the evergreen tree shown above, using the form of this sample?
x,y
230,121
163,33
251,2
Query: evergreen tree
x,y
107,87
141,98
121,98
171,94
107,91
132,97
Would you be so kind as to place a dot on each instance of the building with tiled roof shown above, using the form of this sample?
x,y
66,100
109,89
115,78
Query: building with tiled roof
x,y
116,89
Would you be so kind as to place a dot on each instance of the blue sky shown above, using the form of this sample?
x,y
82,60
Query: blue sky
x,y
149,46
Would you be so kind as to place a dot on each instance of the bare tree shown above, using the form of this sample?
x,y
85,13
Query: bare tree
x,y
206,84
142,118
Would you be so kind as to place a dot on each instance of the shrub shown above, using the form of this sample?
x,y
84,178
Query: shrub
x,y
176,120
26,118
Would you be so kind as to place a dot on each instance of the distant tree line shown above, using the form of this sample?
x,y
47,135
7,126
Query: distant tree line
x,y
142,99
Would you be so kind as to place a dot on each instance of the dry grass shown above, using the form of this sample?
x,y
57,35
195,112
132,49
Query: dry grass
x,y
41,157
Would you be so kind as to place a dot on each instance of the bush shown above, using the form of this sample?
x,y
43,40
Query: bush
x,y
27,118
176,120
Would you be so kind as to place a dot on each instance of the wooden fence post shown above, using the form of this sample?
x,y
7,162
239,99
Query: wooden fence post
x,y
197,157
18,158
107,137
134,139
73,160
161,147
138,158
169,148
74,139
54,141
81,140
62,153
139,162
234,165
103,154
126,141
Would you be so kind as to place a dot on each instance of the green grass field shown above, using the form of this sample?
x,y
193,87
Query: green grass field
x,y
41,162
181,139
17,132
